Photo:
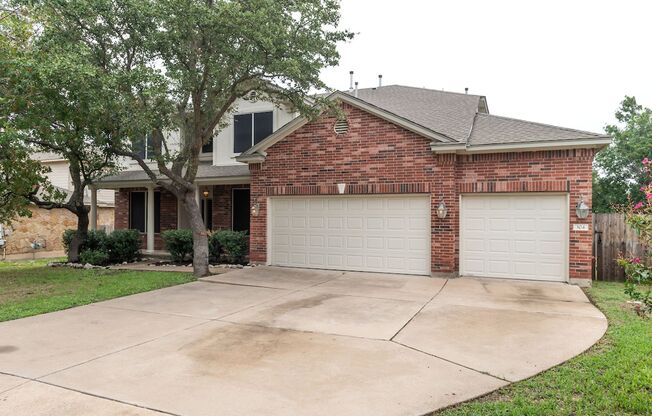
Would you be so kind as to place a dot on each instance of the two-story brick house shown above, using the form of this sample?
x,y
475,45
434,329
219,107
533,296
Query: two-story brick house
x,y
409,180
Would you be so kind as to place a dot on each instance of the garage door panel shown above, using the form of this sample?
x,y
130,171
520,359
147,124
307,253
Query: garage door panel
x,y
367,233
514,236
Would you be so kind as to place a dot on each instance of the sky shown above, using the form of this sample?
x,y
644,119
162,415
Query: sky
x,y
567,63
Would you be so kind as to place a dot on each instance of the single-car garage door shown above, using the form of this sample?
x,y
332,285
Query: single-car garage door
x,y
517,236
388,234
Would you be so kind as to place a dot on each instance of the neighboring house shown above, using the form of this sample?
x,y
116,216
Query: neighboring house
x,y
46,227
411,181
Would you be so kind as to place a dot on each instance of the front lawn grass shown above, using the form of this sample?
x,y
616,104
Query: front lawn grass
x,y
30,287
613,378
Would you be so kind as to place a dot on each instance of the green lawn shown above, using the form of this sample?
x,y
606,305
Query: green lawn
x,y
612,378
30,288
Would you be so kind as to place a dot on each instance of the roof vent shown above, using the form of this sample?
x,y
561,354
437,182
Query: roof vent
x,y
341,126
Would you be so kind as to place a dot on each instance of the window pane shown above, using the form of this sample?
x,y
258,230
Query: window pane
x,y
241,132
263,125
208,147
137,211
157,212
138,146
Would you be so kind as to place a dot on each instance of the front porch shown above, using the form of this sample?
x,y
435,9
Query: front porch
x,y
155,210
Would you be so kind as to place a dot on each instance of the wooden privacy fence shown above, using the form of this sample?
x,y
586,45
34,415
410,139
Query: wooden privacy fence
x,y
612,237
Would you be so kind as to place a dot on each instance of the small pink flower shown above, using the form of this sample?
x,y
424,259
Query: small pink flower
x,y
643,188
637,206
646,161
648,196
636,260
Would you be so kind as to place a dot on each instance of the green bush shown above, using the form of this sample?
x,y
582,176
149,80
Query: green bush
x,y
214,248
123,245
234,244
97,240
94,257
179,244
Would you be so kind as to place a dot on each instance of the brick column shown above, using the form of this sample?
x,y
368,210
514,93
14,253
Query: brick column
x,y
581,242
444,256
258,223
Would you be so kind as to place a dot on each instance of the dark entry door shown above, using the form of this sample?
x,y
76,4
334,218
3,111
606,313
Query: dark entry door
x,y
241,202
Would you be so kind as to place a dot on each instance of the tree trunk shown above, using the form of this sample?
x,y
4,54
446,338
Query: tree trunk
x,y
80,236
199,236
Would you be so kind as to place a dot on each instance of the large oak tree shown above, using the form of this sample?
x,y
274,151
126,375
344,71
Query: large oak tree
x,y
195,59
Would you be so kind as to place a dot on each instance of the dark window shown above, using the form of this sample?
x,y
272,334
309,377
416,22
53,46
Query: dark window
x,y
249,129
241,201
208,147
143,147
138,211
207,213
157,212
241,133
263,126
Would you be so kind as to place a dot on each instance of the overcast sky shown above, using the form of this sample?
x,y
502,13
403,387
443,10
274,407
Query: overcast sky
x,y
568,63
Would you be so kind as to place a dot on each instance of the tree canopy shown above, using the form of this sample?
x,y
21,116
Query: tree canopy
x,y
179,66
619,174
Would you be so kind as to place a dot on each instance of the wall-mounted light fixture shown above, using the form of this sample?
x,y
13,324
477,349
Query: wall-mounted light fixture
x,y
442,210
206,193
255,208
581,209
341,187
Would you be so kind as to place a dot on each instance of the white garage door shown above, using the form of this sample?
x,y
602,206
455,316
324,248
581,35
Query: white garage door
x,y
388,234
519,236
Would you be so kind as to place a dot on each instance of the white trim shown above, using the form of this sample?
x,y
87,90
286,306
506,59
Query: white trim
x,y
516,147
268,231
224,180
566,228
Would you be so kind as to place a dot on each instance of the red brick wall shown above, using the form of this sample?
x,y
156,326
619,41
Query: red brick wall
x,y
222,207
376,156
168,213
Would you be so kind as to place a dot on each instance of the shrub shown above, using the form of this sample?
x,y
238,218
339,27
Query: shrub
x,y
235,245
97,240
94,257
639,274
123,245
179,244
214,248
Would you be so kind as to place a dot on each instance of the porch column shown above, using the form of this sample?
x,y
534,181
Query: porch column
x,y
93,208
150,219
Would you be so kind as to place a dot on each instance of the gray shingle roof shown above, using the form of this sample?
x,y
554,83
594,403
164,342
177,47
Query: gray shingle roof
x,y
464,118
491,129
447,113
205,171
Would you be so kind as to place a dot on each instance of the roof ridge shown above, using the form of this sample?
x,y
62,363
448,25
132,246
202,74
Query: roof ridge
x,y
422,88
542,124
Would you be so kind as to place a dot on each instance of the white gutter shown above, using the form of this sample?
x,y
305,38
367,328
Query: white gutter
x,y
516,147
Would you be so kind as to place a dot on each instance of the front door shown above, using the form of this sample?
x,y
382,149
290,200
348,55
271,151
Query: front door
x,y
241,203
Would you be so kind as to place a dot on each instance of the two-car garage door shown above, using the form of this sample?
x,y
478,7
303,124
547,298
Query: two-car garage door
x,y
388,234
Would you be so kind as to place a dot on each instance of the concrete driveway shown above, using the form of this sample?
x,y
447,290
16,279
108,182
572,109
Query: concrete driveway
x,y
275,341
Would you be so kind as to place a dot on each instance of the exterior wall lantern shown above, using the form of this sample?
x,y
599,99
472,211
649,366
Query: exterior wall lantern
x,y
206,193
255,208
581,209
442,210
341,187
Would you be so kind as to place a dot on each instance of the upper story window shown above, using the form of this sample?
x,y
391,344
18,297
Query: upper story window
x,y
251,128
208,147
143,147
